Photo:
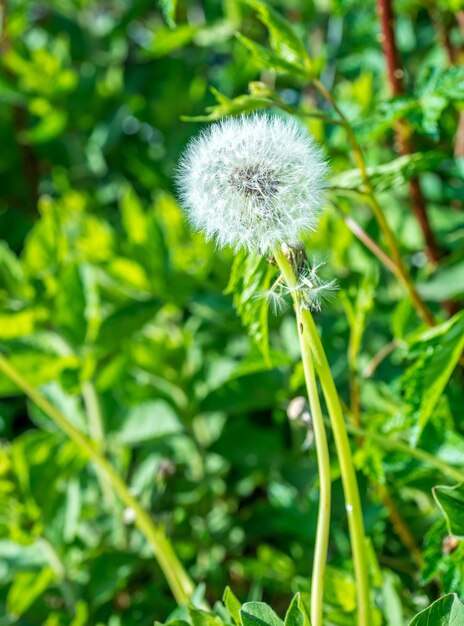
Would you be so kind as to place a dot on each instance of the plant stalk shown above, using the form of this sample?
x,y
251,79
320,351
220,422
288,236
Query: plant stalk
x,y
308,331
391,443
323,457
348,474
377,210
325,486
177,578
403,133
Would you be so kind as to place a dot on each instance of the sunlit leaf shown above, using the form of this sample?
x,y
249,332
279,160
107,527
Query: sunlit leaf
x,y
297,614
447,611
283,38
26,588
451,502
259,614
250,278
436,353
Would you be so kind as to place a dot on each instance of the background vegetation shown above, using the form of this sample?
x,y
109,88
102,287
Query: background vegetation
x,y
121,315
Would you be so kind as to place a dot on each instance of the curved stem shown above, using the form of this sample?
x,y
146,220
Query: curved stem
x,y
323,457
177,578
377,210
401,446
323,462
348,474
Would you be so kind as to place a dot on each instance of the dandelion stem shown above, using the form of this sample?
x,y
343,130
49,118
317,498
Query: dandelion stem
x,y
177,578
323,458
350,486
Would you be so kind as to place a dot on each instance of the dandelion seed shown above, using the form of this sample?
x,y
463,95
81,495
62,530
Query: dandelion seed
x,y
254,182
276,300
313,289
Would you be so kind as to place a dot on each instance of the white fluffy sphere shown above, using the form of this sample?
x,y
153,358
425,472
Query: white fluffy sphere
x,y
254,181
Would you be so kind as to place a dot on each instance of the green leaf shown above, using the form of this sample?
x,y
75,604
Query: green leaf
x,y
26,588
296,614
16,324
267,59
81,614
12,275
126,321
389,175
49,127
250,278
232,106
108,572
168,8
16,556
259,614
133,217
446,283
340,587
283,39
436,354
448,83
36,367
392,607
11,94
166,40
147,421
451,502
77,310
232,605
203,618
447,611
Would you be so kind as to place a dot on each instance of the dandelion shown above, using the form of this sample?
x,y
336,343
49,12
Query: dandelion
x,y
257,182
253,182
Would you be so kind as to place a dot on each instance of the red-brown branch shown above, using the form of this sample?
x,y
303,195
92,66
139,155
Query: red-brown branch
x,y
395,77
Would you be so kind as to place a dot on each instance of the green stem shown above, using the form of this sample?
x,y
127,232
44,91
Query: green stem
x,y
92,408
417,453
377,210
348,474
97,434
177,578
323,462
323,458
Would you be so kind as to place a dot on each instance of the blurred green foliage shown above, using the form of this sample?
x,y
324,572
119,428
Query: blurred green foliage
x,y
122,315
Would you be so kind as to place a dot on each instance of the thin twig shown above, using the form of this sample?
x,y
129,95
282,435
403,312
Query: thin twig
x,y
361,234
382,354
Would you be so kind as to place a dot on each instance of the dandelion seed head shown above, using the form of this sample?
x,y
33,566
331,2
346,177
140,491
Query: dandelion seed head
x,y
254,182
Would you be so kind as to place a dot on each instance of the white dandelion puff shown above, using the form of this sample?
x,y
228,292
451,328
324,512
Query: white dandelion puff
x,y
254,182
